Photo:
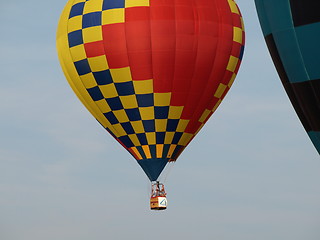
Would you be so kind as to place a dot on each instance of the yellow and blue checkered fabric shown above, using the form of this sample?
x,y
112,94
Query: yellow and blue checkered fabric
x,y
143,119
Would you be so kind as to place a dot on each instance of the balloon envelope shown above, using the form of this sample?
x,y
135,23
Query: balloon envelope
x,y
151,72
292,31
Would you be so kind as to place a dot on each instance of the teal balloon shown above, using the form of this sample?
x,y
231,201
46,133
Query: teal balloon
x,y
292,32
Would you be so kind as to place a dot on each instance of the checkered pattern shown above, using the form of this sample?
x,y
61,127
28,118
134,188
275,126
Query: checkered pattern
x,y
143,121
146,122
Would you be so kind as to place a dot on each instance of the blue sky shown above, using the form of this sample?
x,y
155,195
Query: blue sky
x,y
251,173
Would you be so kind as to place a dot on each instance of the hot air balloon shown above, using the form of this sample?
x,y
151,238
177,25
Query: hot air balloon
x,y
151,71
292,32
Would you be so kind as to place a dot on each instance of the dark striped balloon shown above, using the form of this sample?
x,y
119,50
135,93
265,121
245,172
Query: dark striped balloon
x,y
292,32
